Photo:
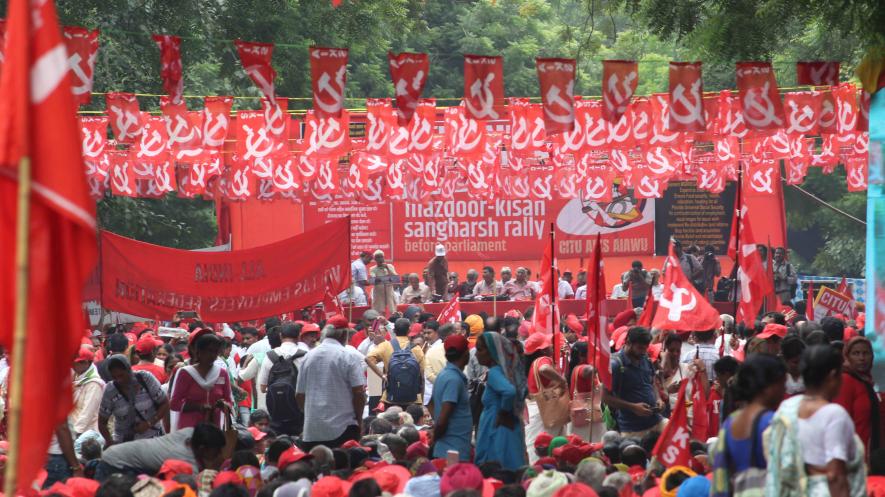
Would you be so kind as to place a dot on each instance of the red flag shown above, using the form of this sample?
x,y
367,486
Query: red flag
x,y
126,118
82,46
556,78
755,282
817,73
409,74
216,120
331,305
328,72
809,302
681,307
619,80
672,448
256,59
38,121
484,87
699,406
599,350
760,101
648,310
843,286
451,312
843,289
543,318
686,112
170,66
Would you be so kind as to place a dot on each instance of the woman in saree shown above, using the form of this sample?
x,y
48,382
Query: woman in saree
x,y
812,448
500,433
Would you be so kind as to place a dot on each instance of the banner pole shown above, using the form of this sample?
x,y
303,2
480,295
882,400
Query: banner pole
x,y
739,217
23,222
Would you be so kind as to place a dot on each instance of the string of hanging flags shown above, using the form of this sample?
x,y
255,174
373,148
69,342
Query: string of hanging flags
x,y
491,146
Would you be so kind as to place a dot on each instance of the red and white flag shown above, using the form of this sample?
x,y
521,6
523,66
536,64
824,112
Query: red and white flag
x,y
125,115
451,312
755,282
598,348
556,78
170,66
673,447
256,59
328,72
82,45
843,289
760,101
216,120
700,404
542,318
484,87
619,80
686,110
682,307
38,121
409,74
331,304
817,73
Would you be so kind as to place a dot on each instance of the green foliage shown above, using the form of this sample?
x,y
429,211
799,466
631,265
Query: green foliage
x,y
170,221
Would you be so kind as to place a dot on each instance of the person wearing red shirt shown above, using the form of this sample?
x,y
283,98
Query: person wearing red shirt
x,y
857,394
145,348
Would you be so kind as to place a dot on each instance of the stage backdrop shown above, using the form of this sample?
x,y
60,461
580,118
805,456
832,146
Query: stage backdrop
x,y
155,282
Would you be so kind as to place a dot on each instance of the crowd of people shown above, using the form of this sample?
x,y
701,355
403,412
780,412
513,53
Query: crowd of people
x,y
487,406
400,403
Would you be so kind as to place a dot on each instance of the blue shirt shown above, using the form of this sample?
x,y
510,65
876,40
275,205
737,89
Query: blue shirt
x,y
739,448
633,381
451,386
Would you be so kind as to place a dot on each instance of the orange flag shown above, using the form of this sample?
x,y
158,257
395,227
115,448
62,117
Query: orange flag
x,y
38,121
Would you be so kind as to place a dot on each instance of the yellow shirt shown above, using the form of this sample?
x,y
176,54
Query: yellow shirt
x,y
384,350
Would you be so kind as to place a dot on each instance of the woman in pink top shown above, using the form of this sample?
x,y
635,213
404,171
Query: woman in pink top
x,y
201,392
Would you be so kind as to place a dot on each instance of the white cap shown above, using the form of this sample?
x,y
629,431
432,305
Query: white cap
x,y
440,250
226,331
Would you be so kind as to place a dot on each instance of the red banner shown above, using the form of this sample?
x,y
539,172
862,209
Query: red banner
x,y
557,81
328,72
760,101
256,59
151,281
170,66
484,87
817,73
619,80
409,74
82,46
686,98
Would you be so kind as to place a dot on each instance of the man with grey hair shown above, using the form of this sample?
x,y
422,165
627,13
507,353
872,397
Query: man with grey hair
x,y
416,292
733,343
591,472
506,274
467,287
331,390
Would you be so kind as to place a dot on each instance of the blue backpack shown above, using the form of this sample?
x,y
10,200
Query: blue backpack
x,y
403,376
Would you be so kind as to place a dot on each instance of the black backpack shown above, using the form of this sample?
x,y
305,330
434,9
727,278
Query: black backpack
x,y
285,415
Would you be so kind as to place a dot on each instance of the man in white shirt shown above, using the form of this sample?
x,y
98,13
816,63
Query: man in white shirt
x,y
434,356
359,272
416,292
256,353
353,294
88,391
331,390
289,347
565,286
618,292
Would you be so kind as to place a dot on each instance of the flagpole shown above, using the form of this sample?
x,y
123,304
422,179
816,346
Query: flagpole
x,y
16,368
739,217
554,282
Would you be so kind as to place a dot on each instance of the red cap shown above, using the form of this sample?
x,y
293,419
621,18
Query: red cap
x,y
291,456
537,341
543,439
415,330
131,337
654,350
575,490
330,486
461,475
257,434
84,355
772,329
457,343
227,477
624,317
619,337
197,334
569,453
310,328
146,344
336,321
172,467
82,487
